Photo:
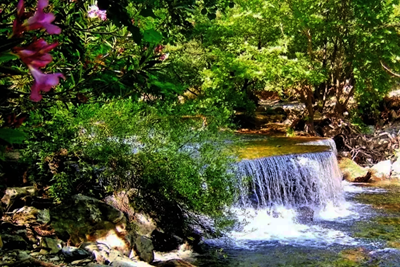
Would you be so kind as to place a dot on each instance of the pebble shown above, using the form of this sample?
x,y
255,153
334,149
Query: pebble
x,y
43,252
81,261
56,258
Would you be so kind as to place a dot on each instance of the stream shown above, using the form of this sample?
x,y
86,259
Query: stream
x,y
330,240
346,227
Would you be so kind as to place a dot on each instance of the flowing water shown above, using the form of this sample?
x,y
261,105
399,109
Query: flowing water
x,y
295,210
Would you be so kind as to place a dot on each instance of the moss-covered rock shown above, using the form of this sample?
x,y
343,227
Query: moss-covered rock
x,y
353,172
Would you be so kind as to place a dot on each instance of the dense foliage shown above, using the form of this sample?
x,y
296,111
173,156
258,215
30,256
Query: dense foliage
x,y
100,96
173,164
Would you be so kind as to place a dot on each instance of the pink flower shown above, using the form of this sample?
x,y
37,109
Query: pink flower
x,y
36,54
18,28
164,57
43,82
95,12
41,20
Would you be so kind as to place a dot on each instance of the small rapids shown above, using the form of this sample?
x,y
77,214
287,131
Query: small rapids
x,y
292,200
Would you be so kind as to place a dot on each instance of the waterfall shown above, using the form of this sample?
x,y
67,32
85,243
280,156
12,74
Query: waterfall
x,y
282,198
323,142
311,179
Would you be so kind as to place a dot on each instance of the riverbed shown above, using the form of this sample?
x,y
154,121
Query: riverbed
x,y
356,233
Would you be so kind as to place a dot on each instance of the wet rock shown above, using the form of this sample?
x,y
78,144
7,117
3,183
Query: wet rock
x,y
173,263
353,172
145,249
380,171
14,242
16,197
388,257
83,219
73,253
305,214
52,245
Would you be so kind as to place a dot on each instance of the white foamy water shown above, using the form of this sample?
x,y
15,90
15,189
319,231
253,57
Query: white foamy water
x,y
262,227
292,200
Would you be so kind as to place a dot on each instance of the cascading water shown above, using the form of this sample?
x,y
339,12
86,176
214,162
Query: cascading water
x,y
279,193
312,179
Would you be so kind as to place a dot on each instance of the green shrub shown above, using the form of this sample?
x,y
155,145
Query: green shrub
x,y
176,166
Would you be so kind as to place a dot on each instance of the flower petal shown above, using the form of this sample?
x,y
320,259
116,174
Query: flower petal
x,y
42,20
42,4
35,93
43,82
20,8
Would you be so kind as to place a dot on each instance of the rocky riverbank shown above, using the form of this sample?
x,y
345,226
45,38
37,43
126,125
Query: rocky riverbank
x,y
81,231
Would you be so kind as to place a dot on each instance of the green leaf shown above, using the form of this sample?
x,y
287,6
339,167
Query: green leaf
x,y
152,36
7,57
12,136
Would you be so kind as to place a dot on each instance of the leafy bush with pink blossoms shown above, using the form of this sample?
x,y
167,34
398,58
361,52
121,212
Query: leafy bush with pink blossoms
x,y
82,82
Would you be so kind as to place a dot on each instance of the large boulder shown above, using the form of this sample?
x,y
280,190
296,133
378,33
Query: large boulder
x,y
81,219
380,171
353,172
144,248
142,223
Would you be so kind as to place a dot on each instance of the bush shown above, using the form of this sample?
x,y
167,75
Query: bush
x,y
176,166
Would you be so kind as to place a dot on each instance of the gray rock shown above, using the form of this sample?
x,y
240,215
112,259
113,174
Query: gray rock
x,y
305,214
43,216
124,262
145,249
84,218
53,245
23,255
80,262
388,257
73,253
56,258
143,224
